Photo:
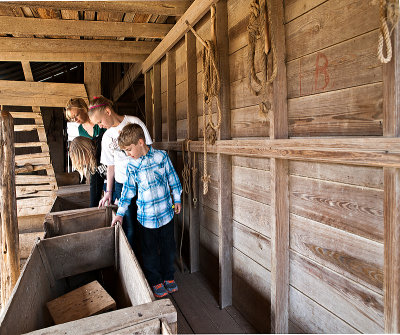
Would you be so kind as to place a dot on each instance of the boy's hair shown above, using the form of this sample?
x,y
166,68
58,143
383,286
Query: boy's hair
x,y
130,134
75,103
100,104
82,151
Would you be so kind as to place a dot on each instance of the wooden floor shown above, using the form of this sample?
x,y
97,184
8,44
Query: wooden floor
x,y
198,311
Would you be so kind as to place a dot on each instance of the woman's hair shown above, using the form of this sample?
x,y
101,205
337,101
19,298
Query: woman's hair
x,y
82,151
75,103
100,104
130,134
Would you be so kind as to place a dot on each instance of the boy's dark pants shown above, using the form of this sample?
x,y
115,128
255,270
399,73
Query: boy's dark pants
x,y
129,220
158,252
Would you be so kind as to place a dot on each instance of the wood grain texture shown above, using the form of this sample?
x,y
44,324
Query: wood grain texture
x,y
352,256
171,95
141,7
148,103
313,318
347,64
133,72
320,31
10,267
353,303
19,93
193,14
353,209
391,112
92,79
17,25
295,8
353,111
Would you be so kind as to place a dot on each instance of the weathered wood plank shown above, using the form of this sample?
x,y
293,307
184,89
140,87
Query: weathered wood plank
x,y
353,209
347,64
18,25
320,31
391,110
252,290
171,95
353,111
350,255
92,78
313,318
19,93
9,225
354,151
131,274
174,8
116,320
295,8
76,253
358,306
193,14
148,103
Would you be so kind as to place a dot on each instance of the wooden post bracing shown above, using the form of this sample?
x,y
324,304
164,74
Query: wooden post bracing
x,y
279,183
391,128
225,221
9,223
92,79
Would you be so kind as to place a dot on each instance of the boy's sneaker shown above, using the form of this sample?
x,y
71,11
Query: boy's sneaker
x,y
171,286
159,290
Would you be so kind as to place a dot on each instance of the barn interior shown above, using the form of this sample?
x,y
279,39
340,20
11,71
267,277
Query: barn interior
x,y
282,119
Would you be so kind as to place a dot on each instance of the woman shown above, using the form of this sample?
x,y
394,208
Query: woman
x,y
76,110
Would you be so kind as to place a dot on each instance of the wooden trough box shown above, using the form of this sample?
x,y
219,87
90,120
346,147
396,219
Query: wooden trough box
x,y
60,264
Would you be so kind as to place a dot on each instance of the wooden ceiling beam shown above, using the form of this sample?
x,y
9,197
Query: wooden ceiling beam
x,y
170,8
56,27
60,50
21,93
194,13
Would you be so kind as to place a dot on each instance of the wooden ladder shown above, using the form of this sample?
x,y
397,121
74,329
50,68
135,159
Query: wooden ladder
x,y
35,193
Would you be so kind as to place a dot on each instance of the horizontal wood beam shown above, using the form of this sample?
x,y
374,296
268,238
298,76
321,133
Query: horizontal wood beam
x,y
60,50
21,93
170,8
382,152
55,27
194,13
134,71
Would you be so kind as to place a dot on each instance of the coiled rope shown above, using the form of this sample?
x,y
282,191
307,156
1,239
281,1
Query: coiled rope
x,y
389,13
258,28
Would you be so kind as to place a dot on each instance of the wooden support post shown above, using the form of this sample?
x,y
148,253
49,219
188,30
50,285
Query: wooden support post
x,y
192,134
157,120
225,222
279,183
171,102
148,103
391,128
92,79
9,223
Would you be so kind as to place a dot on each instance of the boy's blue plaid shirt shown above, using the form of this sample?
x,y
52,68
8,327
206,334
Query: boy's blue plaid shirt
x,y
154,175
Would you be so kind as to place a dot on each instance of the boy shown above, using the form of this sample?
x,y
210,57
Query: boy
x,y
101,112
152,171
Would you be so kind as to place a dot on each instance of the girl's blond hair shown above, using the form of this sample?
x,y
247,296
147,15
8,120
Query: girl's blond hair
x,y
82,151
75,103
100,104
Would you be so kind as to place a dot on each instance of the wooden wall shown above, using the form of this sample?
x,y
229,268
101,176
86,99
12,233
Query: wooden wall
x,y
336,212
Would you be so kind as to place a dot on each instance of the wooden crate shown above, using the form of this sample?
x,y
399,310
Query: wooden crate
x,y
77,220
54,261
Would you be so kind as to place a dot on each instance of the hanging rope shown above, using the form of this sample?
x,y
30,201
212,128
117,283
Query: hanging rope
x,y
389,13
211,85
194,180
258,29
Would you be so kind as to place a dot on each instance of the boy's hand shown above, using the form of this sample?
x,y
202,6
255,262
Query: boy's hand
x,y
117,219
106,199
178,208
